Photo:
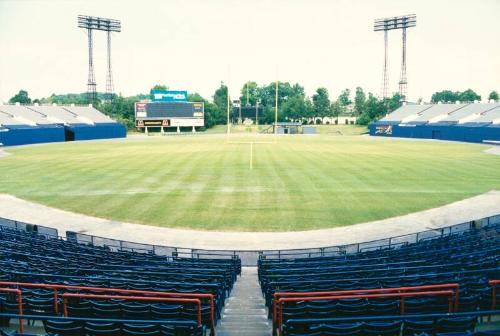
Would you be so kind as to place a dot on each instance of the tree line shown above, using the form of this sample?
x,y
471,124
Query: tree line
x,y
293,103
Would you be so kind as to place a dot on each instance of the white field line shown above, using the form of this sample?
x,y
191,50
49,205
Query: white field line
x,y
249,142
251,155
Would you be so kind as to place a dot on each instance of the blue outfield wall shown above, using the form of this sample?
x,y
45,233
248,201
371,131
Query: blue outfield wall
x,y
97,131
464,132
25,134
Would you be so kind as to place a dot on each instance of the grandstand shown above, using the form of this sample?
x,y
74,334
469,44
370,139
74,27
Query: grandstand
x,y
23,124
432,287
476,122
430,283
113,292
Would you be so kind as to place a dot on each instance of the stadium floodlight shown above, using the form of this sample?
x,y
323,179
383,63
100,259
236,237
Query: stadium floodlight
x,y
91,23
99,23
393,23
396,22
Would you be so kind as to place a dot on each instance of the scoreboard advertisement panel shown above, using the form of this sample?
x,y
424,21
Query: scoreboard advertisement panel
x,y
169,114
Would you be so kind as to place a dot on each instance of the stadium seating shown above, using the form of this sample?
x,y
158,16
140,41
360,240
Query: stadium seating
x,y
478,122
468,260
37,262
23,124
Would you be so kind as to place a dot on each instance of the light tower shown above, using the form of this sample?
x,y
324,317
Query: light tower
x,y
91,23
392,23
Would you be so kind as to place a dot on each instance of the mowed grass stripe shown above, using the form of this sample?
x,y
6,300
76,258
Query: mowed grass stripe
x,y
203,182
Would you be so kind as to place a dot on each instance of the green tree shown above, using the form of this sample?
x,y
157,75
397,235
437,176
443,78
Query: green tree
x,y
214,115
344,99
321,103
158,87
374,109
444,96
468,96
267,93
195,97
493,95
359,101
69,98
253,93
21,97
392,103
220,97
337,109
122,109
295,108
448,96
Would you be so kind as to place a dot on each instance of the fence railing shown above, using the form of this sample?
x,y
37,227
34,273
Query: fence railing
x,y
251,257
22,226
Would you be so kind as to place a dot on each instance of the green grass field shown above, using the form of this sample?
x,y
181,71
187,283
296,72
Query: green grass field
x,y
205,181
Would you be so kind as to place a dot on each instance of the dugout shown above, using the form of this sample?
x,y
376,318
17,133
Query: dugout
x,y
288,127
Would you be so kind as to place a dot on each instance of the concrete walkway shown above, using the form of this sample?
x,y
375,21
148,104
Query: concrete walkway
x,y
476,207
245,312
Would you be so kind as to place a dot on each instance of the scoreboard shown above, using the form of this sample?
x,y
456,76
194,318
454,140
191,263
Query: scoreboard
x,y
248,112
169,114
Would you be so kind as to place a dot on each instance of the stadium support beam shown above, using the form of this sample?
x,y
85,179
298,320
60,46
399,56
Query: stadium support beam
x,y
391,23
109,75
91,23
385,75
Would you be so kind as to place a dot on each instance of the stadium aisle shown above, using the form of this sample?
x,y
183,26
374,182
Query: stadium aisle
x,y
245,312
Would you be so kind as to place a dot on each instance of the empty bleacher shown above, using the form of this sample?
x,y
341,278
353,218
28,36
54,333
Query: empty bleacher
x,y
23,124
477,122
435,282
439,285
110,293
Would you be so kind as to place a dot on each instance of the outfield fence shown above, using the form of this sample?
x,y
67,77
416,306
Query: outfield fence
x,y
251,257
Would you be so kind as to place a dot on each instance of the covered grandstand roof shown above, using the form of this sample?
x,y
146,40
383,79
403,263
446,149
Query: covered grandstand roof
x,y
445,114
7,119
405,111
435,112
90,113
25,115
492,116
51,114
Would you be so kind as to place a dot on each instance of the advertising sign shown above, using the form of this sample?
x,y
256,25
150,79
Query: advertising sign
x,y
169,96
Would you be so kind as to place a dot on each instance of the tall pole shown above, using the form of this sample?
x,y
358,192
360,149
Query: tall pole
x,y
247,95
109,77
91,23
391,23
385,76
257,114
91,84
228,99
403,82
228,125
276,110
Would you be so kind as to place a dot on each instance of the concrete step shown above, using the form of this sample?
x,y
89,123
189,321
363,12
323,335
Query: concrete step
x,y
245,313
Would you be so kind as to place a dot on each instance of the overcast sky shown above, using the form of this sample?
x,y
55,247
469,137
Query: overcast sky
x,y
191,44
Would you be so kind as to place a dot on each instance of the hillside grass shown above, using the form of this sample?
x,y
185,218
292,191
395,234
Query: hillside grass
x,y
205,181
